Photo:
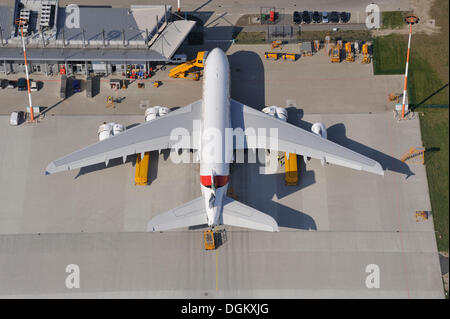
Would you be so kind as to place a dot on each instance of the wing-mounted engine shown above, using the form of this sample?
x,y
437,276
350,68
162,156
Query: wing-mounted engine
x,y
107,130
153,112
276,111
319,129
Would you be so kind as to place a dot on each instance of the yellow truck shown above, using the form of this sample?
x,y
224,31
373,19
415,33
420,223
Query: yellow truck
x,y
208,237
141,174
291,167
271,55
289,56
335,54
190,69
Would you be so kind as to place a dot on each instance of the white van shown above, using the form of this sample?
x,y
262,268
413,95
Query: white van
x,y
33,86
14,119
179,58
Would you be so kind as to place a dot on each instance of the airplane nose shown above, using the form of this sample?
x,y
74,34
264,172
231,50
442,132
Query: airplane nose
x,y
216,54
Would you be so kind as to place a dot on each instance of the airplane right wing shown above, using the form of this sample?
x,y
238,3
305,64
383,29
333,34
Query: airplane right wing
x,y
293,139
149,136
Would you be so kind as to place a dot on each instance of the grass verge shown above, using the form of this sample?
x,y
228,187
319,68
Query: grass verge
x,y
346,35
427,84
250,37
393,19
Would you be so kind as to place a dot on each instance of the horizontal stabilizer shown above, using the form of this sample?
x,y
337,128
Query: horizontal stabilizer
x,y
189,214
240,215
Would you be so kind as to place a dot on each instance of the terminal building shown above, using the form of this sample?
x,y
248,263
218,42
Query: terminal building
x,y
87,40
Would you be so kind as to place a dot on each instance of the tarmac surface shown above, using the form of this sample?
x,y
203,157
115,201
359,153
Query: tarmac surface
x,y
311,83
333,224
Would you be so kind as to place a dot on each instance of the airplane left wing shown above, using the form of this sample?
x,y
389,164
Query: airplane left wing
x,y
149,136
293,139
192,213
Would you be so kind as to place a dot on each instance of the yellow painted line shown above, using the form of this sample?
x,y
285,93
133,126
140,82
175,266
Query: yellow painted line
x,y
217,270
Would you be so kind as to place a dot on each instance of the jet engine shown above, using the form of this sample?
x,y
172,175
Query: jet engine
x,y
152,113
276,111
107,130
319,129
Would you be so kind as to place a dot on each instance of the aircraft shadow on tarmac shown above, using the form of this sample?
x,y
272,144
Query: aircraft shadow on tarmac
x,y
257,190
152,169
247,78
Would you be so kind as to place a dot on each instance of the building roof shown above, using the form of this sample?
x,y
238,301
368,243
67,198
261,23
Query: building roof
x,y
95,19
6,14
162,49
171,37
133,23
68,54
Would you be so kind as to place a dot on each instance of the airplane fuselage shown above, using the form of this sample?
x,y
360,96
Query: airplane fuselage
x,y
214,149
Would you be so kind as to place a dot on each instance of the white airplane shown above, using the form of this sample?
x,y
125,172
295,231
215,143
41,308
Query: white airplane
x,y
216,111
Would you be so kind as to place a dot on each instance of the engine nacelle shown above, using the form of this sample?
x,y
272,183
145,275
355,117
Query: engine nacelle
x,y
104,131
152,113
118,128
319,129
107,130
276,111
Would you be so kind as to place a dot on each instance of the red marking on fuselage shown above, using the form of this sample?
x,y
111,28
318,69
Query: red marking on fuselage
x,y
219,181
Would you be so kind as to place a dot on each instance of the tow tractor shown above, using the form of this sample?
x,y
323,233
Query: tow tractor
x,y
208,236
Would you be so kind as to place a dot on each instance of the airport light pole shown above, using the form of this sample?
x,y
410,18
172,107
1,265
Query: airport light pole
x,y
21,22
410,19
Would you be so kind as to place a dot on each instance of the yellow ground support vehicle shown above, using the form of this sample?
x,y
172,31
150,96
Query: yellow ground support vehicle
x,y
271,55
290,165
349,54
109,101
291,56
141,175
208,237
277,44
365,52
189,70
335,54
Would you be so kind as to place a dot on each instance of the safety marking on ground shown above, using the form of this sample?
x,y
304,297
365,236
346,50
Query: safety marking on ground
x,y
217,270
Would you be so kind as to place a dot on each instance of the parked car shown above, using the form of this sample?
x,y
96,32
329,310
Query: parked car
x,y
306,17
14,119
325,17
344,17
179,58
22,84
334,17
34,86
297,17
11,85
316,16
76,86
